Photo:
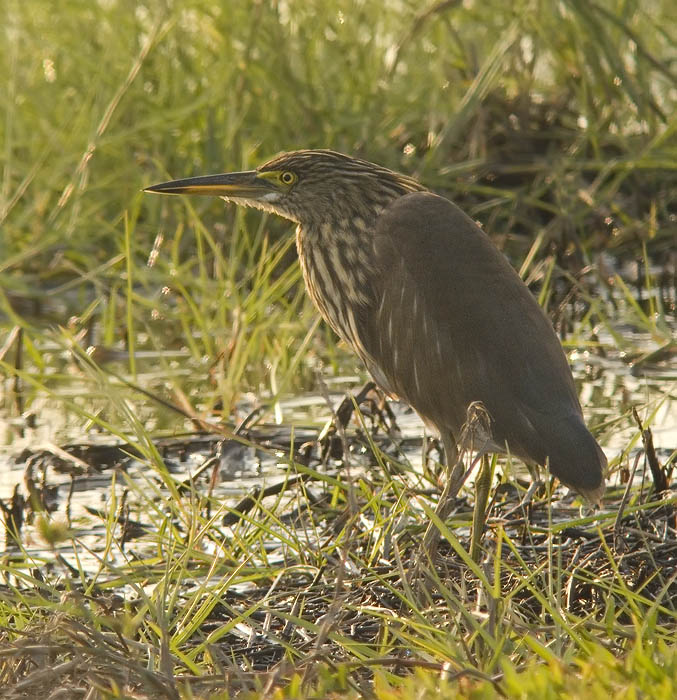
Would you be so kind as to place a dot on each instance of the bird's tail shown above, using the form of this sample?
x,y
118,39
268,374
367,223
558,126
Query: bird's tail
x,y
580,462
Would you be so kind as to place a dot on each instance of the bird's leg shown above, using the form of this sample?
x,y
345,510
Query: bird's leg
x,y
479,516
455,466
455,476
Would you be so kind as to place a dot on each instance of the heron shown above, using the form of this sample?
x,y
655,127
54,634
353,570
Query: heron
x,y
435,311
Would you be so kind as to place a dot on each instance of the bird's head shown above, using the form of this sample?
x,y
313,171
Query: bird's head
x,y
310,187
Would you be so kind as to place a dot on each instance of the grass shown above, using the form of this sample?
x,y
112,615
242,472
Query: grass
x,y
553,124
307,592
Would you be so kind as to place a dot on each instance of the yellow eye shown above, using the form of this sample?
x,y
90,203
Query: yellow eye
x,y
287,178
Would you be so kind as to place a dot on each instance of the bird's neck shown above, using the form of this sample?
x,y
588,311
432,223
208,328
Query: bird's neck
x,y
336,265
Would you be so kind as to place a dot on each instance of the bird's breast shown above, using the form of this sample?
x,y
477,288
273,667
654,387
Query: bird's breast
x,y
335,271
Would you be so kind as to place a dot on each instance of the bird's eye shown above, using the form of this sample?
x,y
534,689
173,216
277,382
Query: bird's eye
x,y
287,178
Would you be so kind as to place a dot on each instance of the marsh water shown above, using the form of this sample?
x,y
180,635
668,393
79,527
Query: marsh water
x,y
79,469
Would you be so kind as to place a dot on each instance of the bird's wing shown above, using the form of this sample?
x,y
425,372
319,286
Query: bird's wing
x,y
452,323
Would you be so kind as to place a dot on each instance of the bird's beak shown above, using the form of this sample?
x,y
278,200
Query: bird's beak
x,y
246,184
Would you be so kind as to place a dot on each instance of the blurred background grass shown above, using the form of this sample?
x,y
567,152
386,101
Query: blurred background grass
x,y
551,123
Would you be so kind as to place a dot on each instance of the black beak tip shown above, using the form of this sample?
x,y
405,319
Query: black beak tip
x,y
162,188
